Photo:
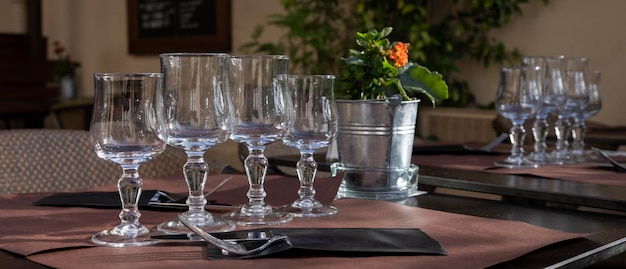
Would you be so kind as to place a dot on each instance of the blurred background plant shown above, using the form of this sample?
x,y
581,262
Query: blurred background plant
x,y
62,66
441,34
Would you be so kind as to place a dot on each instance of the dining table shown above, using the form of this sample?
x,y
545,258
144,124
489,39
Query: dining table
x,y
541,218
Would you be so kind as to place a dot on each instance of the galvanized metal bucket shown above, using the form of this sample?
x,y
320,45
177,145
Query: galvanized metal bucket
x,y
374,143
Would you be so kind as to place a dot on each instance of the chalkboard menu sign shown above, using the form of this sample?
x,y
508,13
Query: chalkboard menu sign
x,y
157,26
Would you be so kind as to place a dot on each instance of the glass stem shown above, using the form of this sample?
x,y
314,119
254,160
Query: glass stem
x,y
196,170
129,186
578,144
540,133
561,129
307,168
256,167
517,135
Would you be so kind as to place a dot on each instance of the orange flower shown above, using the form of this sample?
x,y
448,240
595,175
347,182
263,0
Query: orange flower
x,y
58,48
399,54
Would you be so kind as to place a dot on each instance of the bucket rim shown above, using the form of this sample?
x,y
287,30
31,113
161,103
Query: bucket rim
x,y
374,101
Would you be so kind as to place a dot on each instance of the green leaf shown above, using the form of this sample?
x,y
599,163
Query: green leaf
x,y
362,42
417,79
385,32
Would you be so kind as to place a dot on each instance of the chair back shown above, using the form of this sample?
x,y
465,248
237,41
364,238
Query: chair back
x,y
49,160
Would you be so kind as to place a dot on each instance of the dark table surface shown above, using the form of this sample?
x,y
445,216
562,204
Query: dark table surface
x,y
532,189
545,202
525,198
523,188
605,229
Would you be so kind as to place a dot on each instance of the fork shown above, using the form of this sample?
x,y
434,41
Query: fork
x,y
218,186
616,165
233,247
488,147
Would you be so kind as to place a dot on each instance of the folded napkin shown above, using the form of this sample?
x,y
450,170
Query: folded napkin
x,y
150,199
338,242
280,190
455,149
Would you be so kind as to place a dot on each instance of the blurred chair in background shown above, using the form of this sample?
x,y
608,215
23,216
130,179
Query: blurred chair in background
x,y
50,160
71,114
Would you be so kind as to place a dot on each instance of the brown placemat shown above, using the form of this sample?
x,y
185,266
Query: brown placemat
x,y
58,236
587,172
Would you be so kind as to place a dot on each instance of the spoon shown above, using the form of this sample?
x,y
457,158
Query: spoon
x,y
235,247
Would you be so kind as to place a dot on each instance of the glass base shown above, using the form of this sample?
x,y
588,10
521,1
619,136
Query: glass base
x,y
516,163
560,157
377,183
206,222
257,215
308,208
126,236
539,157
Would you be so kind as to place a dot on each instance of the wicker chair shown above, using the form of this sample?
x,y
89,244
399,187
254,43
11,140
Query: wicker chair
x,y
48,160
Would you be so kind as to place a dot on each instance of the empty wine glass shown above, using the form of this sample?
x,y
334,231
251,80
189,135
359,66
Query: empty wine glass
x,y
123,130
196,115
576,96
263,114
315,125
518,99
592,108
551,81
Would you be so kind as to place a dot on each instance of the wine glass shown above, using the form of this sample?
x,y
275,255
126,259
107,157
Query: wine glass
x,y
553,96
576,96
123,130
196,115
592,108
518,98
263,114
315,126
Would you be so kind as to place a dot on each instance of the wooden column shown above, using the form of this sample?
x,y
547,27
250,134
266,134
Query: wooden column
x,y
35,41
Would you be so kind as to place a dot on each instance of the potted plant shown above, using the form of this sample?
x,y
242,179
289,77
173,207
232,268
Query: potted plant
x,y
64,70
377,97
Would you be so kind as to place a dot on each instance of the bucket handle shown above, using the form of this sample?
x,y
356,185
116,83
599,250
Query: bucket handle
x,y
395,100
336,168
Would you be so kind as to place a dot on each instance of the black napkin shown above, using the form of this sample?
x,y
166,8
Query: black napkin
x,y
150,199
339,242
455,149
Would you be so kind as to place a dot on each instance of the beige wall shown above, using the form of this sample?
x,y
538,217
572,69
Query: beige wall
x,y
584,28
95,34
13,16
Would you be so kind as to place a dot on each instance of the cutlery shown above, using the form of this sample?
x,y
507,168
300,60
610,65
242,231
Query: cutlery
x,y
172,202
245,247
218,186
232,236
494,143
211,207
616,165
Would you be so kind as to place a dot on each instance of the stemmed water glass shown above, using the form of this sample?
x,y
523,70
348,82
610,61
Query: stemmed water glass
x,y
576,97
123,130
263,114
196,115
315,126
518,99
592,108
551,81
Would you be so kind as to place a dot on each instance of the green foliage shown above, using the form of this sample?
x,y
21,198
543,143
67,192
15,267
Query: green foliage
x,y
382,69
315,41
62,66
441,33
